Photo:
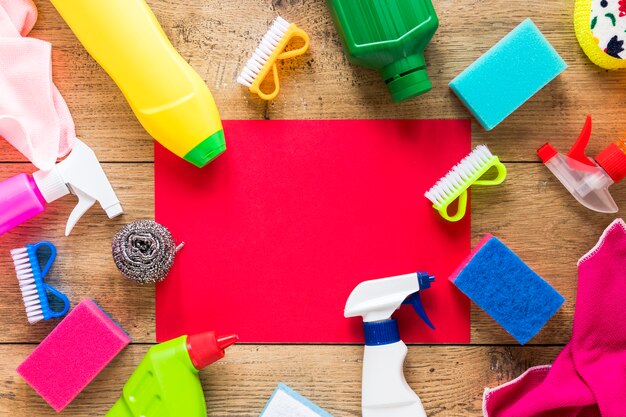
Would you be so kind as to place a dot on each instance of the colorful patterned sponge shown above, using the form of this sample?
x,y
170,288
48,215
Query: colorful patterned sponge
x,y
506,76
73,354
496,279
601,30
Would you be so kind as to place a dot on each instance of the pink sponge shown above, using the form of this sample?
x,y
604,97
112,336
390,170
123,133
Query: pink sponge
x,y
73,354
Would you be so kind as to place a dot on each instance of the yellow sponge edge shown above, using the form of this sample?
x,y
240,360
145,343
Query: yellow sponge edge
x,y
582,27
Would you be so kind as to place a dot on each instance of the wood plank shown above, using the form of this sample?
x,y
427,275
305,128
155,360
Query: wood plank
x,y
532,213
84,266
450,380
217,38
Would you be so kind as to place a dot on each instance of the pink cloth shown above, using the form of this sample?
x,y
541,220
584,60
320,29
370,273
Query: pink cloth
x,y
588,378
33,115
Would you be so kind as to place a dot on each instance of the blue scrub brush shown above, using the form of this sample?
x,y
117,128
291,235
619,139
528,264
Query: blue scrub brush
x,y
35,291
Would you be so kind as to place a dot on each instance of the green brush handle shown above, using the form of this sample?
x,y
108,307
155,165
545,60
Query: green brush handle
x,y
462,195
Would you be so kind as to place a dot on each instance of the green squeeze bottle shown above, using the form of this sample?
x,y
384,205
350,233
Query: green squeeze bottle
x,y
389,36
166,382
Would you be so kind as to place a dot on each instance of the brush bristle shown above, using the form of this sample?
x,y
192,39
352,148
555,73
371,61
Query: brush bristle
x,y
28,286
460,175
263,52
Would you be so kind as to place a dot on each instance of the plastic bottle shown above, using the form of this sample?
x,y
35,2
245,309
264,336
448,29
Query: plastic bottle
x,y
166,382
385,392
587,179
168,97
23,196
388,36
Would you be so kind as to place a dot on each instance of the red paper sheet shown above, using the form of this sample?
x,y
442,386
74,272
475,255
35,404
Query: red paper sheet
x,y
280,229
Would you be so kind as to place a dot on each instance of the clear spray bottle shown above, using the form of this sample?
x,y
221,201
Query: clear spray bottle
x,y
587,179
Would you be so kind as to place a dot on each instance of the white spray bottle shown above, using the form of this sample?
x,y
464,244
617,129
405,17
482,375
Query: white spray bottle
x,y
385,392
24,196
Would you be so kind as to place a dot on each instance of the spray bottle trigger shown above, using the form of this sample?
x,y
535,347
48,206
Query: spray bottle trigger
x,y
85,201
416,301
578,149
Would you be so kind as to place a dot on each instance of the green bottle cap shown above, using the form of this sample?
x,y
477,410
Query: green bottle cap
x,y
207,150
409,85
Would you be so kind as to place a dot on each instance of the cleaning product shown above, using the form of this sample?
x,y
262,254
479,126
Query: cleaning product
x,y
389,37
144,251
270,50
24,196
286,402
168,97
506,76
34,117
385,392
463,175
588,377
73,354
496,279
588,180
166,382
30,275
600,27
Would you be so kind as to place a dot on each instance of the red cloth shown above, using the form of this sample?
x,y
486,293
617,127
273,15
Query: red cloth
x,y
588,378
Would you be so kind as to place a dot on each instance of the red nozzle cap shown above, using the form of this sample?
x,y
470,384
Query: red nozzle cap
x,y
546,152
613,160
206,348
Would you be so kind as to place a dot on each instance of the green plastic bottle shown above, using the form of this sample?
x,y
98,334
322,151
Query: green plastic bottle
x,y
166,382
389,36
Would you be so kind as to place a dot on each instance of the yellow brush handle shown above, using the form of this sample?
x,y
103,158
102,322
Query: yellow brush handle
x,y
272,94
279,53
462,199
500,175
168,97
460,211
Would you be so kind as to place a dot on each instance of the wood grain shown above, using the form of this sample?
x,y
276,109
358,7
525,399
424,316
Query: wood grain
x,y
527,214
532,212
217,38
449,379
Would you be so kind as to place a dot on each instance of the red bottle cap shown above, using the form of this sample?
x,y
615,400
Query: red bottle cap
x,y
613,160
206,348
546,152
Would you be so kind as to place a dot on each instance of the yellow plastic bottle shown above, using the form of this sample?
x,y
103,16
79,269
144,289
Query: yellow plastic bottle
x,y
168,97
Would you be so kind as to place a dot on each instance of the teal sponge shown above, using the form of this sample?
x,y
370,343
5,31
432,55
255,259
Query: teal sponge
x,y
511,72
496,279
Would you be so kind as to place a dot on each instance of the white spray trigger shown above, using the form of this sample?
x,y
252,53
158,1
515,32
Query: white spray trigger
x,y
377,299
85,201
81,174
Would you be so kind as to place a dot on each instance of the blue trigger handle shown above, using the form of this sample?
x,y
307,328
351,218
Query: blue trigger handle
x,y
414,299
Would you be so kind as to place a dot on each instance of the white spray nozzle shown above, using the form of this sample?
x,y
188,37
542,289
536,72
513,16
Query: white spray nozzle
x,y
376,300
81,174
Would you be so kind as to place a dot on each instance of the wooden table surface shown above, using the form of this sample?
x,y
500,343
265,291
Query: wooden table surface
x,y
532,213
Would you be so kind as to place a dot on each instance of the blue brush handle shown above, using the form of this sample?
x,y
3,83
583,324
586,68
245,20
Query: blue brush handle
x,y
58,294
39,274
53,254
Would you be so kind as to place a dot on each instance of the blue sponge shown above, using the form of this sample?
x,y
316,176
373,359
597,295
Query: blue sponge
x,y
507,289
507,75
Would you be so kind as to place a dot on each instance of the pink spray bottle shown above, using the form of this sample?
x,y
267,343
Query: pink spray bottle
x,y
24,196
